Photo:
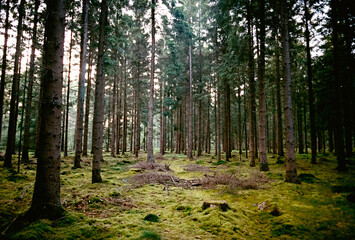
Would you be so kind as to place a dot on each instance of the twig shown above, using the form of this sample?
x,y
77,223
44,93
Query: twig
x,y
24,191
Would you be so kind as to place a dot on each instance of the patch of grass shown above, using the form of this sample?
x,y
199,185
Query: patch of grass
x,y
220,162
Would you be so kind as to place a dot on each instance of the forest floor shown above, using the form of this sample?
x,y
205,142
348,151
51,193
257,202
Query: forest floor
x,y
166,200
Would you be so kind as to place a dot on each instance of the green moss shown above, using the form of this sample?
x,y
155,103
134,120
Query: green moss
x,y
220,162
115,209
149,235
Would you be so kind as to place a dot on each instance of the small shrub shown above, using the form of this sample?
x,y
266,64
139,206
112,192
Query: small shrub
x,y
151,218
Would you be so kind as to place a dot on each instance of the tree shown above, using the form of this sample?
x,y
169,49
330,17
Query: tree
x,y
337,82
4,63
189,151
46,195
99,105
251,88
81,87
291,171
262,101
11,134
310,87
150,155
30,85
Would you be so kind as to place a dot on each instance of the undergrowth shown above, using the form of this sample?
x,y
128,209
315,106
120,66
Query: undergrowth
x,y
137,200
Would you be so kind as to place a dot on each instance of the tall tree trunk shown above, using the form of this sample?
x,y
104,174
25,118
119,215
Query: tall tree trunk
x,y
274,123
245,119
262,98
227,140
189,151
119,103
26,134
291,171
68,97
81,87
4,64
113,119
137,118
163,120
337,82
87,108
99,105
11,134
300,130
305,126
46,195
310,87
207,132
150,153
240,131
280,148
251,90
124,132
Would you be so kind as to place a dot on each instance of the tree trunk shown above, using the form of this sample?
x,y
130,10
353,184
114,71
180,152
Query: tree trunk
x,y
300,130
4,64
163,120
310,87
262,99
113,119
119,113
251,90
280,148
11,134
124,132
68,97
87,108
137,118
99,99
46,195
81,87
26,134
189,151
150,153
337,82
227,139
291,172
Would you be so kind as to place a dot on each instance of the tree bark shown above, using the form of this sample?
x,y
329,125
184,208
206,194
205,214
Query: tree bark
x,y
291,171
46,195
113,119
87,108
26,134
190,133
310,86
68,97
337,82
81,87
4,64
163,120
99,99
251,90
150,153
124,132
11,134
280,148
262,98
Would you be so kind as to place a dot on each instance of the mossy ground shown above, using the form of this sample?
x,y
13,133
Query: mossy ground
x,y
116,209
